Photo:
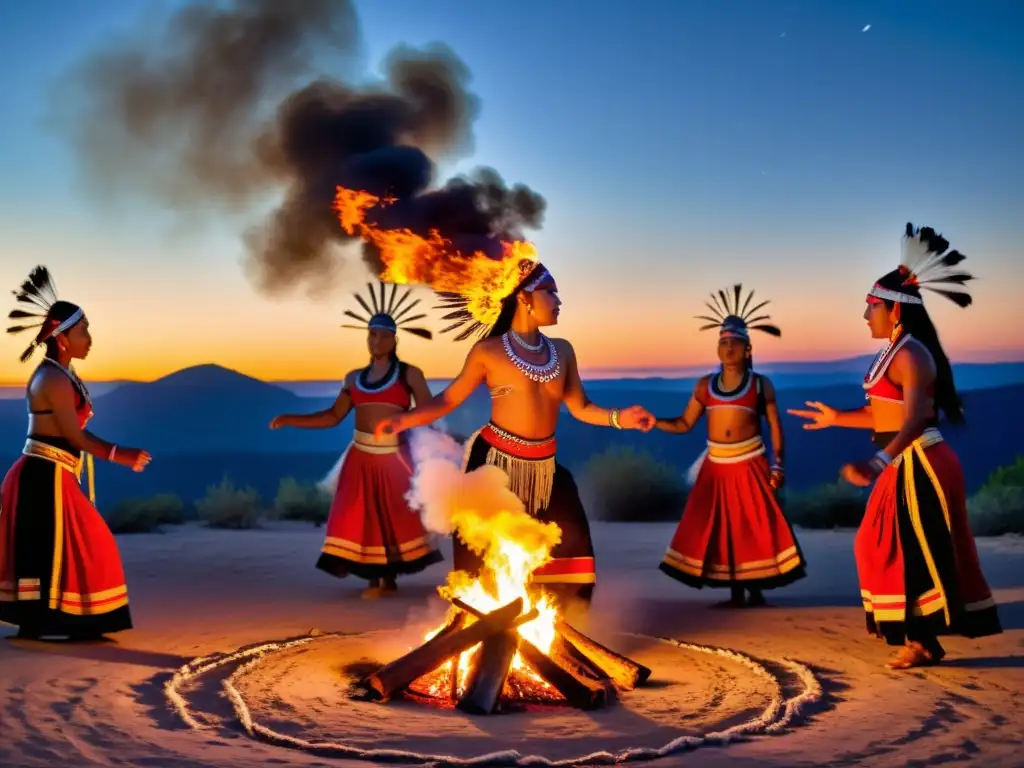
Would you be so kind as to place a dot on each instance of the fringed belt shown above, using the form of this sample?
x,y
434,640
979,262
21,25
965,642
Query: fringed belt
x,y
732,453
529,464
64,459
366,441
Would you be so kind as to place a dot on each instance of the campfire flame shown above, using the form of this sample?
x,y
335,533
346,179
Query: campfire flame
x,y
492,521
435,261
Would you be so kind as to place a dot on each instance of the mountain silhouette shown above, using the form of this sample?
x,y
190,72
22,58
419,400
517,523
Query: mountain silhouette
x,y
206,422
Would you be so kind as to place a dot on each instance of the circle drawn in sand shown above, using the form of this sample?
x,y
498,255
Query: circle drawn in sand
x,y
299,701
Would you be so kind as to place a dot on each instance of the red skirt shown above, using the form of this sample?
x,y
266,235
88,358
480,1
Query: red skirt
x,y
371,531
733,532
60,569
914,548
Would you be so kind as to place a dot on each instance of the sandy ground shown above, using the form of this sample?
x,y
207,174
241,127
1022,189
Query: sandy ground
x,y
196,592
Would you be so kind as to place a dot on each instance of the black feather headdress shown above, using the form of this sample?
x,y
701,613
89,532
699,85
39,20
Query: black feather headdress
x,y
735,319
927,263
387,312
37,300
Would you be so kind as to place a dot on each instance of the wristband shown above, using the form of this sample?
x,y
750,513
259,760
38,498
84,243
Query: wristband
x,y
113,453
880,461
778,469
613,418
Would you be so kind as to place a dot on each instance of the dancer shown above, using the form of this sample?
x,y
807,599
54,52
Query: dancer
x,y
371,532
916,559
733,531
530,377
60,570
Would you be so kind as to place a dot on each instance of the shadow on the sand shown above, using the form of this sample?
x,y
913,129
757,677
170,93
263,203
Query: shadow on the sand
x,y
107,651
985,662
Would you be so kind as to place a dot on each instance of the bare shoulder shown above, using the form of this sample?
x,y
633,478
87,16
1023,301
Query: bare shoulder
x,y
564,347
702,383
766,385
350,378
415,372
485,348
914,354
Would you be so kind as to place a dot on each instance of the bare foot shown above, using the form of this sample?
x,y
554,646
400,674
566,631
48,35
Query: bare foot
x,y
915,655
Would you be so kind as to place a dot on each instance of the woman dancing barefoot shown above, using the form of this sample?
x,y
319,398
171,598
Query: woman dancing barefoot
x,y
60,570
916,560
371,532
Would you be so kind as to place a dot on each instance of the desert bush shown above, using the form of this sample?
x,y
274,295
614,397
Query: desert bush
x,y
225,506
1010,476
834,505
624,485
996,509
301,501
145,515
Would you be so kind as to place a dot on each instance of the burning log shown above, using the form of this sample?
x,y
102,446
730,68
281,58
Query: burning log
x,y
434,652
487,679
453,676
626,673
581,692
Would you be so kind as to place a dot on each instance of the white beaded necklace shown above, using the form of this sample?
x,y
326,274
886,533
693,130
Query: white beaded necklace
x,y
542,373
529,347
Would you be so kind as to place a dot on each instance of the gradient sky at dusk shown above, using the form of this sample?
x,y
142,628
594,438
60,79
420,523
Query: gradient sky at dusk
x,y
681,147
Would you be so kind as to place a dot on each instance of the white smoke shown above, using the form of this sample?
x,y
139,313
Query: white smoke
x,y
437,458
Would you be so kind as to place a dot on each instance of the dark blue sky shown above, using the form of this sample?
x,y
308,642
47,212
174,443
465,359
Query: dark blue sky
x,y
681,146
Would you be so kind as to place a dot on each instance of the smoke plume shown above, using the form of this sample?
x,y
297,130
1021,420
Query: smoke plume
x,y
222,107
478,506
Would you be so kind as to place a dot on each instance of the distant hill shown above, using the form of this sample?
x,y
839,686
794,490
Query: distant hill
x,y
206,422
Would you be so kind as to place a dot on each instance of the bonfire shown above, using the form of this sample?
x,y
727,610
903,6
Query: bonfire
x,y
504,644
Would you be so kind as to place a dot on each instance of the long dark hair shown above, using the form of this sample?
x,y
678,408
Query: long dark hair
x,y
508,312
914,320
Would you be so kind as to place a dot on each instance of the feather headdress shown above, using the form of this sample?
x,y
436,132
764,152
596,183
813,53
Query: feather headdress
x,y
927,263
734,319
387,312
475,313
38,297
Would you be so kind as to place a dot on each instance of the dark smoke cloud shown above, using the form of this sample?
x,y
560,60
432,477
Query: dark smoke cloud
x,y
222,107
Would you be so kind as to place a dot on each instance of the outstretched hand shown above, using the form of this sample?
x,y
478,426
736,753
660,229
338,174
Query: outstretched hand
x,y
389,427
860,474
636,417
278,421
821,417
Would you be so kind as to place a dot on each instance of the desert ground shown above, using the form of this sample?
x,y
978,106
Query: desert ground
x,y
196,592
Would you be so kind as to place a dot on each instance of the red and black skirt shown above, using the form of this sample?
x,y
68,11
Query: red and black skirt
x,y
371,531
549,493
60,569
917,562
733,533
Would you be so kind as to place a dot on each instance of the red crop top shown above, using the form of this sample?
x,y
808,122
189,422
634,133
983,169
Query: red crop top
x,y
392,391
878,385
748,397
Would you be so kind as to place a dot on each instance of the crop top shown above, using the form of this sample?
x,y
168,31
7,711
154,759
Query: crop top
x,y
749,396
392,390
878,385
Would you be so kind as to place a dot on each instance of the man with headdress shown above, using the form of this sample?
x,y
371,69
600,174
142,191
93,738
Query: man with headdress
x,y
371,531
916,560
733,532
60,569
530,377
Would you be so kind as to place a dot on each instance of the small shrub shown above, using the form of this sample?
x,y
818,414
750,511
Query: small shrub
x,y
301,501
835,505
996,509
1010,476
145,515
624,485
225,506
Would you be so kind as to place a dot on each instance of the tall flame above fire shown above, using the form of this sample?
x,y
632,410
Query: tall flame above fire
x,y
434,260
480,508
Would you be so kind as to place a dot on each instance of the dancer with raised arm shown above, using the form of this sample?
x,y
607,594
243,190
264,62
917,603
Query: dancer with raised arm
x,y
371,532
530,377
60,569
916,560
733,533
